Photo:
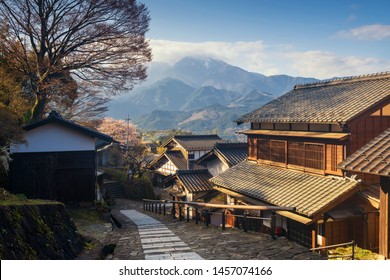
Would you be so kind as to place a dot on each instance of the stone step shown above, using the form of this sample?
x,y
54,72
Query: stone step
x,y
114,189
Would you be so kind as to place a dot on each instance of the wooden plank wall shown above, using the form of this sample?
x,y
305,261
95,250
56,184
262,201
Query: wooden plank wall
x,y
384,217
364,130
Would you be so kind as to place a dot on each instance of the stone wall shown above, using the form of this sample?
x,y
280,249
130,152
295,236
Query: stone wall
x,y
41,231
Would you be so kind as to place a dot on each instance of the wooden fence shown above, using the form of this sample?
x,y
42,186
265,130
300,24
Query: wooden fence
x,y
160,207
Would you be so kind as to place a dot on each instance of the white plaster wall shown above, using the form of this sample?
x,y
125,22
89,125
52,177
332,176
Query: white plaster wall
x,y
216,166
168,168
54,138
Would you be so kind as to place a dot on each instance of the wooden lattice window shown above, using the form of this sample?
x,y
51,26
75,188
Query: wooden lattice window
x,y
263,149
308,155
296,153
252,148
278,151
314,156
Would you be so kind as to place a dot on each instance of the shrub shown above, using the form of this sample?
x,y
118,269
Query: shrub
x,y
137,188
140,188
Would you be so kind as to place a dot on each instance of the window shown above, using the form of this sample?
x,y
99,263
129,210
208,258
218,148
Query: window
x,y
307,155
278,151
263,149
314,156
296,153
191,155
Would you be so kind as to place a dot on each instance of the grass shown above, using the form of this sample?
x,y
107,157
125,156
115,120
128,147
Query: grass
x,y
83,216
7,199
360,254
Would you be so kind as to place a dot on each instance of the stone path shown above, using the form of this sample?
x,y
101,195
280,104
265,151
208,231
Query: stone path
x,y
146,235
158,242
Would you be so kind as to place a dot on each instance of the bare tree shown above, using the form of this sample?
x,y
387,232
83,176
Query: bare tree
x,y
101,42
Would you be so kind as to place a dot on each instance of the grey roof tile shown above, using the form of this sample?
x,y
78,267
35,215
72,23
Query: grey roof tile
x,y
372,158
283,187
334,101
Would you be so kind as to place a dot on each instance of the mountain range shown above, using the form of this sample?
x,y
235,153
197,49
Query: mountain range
x,y
199,95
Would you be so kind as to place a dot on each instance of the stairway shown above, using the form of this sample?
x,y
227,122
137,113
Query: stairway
x,y
114,189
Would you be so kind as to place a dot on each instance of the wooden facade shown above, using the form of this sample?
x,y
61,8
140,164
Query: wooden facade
x,y
338,118
58,161
62,176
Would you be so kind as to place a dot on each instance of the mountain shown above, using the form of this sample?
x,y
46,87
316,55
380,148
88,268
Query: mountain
x,y
204,120
251,100
189,93
167,94
208,95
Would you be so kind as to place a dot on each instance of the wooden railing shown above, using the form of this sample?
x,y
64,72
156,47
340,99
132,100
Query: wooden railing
x,y
352,255
160,207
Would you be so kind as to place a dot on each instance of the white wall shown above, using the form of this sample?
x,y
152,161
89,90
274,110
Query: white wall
x,y
216,166
54,138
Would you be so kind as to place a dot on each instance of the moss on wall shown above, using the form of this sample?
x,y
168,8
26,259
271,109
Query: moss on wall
x,y
38,231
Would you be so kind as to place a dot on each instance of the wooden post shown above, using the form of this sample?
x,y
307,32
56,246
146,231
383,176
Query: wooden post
x,y
173,210
245,223
164,209
223,220
180,214
207,218
273,224
188,214
196,216
353,249
384,217
159,208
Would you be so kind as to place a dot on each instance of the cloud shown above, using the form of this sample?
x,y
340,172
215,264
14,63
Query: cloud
x,y
366,32
266,59
320,64
248,54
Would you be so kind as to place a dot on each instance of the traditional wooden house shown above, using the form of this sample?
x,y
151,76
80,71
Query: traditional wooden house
x,y
374,159
58,160
294,145
223,156
181,153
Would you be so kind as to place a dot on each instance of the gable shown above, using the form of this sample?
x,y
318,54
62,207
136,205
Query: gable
x,y
53,137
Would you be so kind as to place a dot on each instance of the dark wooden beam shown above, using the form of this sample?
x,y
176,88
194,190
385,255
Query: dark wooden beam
x,y
384,217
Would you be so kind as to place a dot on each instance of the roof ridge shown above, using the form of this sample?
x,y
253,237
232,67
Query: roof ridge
x,y
186,171
333,81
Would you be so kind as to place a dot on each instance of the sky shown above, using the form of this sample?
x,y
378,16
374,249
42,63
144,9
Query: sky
x,y
307,38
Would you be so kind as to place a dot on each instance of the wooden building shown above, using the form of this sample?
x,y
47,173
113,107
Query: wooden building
x,y
294,146
374,159
223,156
58,161
190,185
181,153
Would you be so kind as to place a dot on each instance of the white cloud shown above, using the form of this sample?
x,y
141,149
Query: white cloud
x,y
366,32
271,60
320,64
250,55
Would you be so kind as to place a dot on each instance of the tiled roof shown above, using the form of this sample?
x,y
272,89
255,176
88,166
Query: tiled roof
x,y
54,117
177,159
196,142
233,152
195,180
334,101
310,194
372,158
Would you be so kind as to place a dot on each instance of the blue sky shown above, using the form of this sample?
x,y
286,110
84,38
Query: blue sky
x,y
320,39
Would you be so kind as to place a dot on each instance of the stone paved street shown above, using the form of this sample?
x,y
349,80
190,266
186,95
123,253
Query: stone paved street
x,y
158,242
210,243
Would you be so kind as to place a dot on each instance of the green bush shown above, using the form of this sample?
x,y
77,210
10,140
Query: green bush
x,y
137,188
140,188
